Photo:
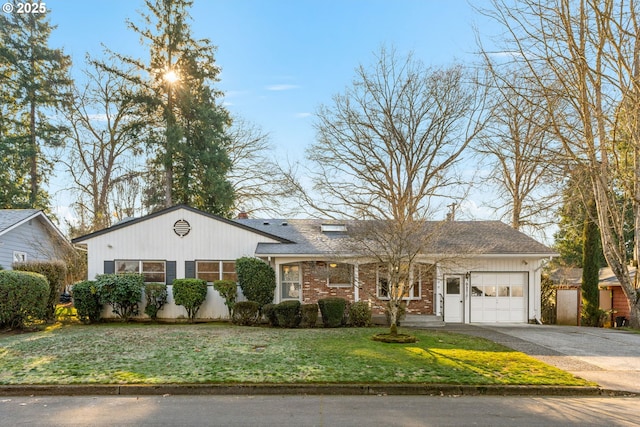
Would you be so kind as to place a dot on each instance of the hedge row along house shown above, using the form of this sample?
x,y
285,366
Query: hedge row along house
x,y
473,271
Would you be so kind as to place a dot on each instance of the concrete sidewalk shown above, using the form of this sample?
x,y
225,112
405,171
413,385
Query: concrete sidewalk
x,y
608,357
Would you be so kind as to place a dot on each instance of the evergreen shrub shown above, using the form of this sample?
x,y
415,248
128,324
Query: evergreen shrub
x,y
288,314
256,279
156,295
23,298
246,313
86,300
55,272
190,293
359,314
309,313
332,310
269,311
228,289
122,291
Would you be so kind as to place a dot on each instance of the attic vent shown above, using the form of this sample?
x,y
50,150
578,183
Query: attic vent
x,y
285,223
333,228
265,223
181,227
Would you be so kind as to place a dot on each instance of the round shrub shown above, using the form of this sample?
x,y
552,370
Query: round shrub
x,y
228,289
269,311
309,313
156,295
359,314
122,291
288,314
246,313
55,272
332,310
256,279
190,293
87,301
23,297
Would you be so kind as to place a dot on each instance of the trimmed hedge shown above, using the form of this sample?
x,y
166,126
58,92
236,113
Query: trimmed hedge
x,y
269,311
309,313
23,297
55,272
288,314
246,313
332,310
190,293
256,279
122,291
228,289
359,314
86,300
156,295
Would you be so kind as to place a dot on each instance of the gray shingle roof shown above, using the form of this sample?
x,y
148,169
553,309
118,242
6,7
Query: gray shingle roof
x,y
11,217
461,237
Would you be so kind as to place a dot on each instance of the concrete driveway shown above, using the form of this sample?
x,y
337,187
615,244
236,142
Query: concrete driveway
x,y
608,357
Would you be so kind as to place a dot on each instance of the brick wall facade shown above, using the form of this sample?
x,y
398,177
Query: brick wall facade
x,y
314,287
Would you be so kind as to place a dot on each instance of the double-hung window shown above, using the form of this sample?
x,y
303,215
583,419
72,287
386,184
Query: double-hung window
x,y
153,271
216,270
412,283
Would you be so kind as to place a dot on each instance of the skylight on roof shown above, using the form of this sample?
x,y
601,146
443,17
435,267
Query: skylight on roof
x,y
333,228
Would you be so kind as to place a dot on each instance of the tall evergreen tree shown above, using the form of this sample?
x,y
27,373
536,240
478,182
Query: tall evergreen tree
x,y
591,256
35,79
187,126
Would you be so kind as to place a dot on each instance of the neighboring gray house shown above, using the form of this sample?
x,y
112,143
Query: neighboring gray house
x,y
28,235
493,277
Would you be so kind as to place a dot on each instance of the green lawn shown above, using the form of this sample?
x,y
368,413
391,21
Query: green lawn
x,y
220,353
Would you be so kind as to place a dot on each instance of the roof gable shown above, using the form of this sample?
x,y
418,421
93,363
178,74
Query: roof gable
x,y
151,216
14,218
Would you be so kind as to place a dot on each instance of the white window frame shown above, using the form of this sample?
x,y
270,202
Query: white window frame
x,y
415,291
330,265
221,264
19,256
297,284
140,269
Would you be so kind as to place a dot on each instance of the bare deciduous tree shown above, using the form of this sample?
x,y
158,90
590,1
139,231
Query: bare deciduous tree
x,y
386,149
103,145
521,152
587,53
258,182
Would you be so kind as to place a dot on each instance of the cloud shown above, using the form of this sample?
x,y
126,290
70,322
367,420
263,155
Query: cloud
x,y
302,115
281,87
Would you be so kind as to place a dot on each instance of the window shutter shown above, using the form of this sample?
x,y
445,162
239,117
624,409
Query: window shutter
x,y
171,272
190,269
109,267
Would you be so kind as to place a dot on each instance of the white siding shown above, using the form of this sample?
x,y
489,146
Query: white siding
x,y
531,267
154,239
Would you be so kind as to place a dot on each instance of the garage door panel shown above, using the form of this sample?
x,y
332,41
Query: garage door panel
x,y
498,297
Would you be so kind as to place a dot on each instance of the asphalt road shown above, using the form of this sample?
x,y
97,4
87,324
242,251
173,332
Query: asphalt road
x,y
370,411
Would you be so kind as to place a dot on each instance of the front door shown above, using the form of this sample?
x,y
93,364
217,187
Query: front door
x,y
453,299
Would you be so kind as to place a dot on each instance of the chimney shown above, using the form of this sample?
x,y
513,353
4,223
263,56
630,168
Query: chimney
x,y
242,215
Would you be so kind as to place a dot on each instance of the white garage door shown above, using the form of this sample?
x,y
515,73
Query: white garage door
x,y
498,297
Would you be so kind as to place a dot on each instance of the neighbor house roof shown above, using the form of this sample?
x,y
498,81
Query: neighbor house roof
x,y
13,218
451,237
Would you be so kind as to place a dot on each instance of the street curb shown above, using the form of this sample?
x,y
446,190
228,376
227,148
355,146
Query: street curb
x,y
303,389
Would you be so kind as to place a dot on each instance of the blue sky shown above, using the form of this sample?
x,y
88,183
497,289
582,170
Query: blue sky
x,y
281,59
